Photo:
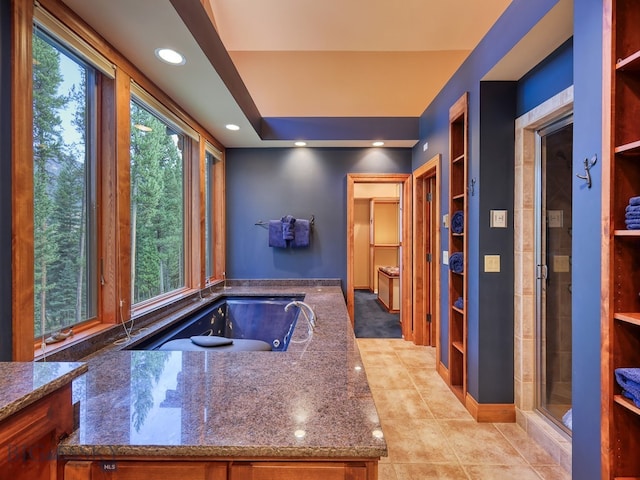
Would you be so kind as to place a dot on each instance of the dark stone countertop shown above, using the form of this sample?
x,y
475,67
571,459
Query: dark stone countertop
x,y
24,383
235,404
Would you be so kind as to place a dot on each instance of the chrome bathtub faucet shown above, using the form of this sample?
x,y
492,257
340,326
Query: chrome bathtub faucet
x,y
304,307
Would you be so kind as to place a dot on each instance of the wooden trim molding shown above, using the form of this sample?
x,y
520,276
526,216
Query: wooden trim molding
x,y
22,287
490,412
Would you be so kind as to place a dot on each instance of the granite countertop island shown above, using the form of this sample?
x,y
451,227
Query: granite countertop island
x,y
24,383
312,401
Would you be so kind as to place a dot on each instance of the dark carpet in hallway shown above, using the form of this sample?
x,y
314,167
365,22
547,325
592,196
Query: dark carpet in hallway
x,y
372,320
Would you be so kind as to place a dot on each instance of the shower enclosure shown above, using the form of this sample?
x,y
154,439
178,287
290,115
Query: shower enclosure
x,y
553,271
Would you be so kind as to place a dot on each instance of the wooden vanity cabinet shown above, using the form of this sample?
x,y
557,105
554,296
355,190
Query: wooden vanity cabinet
x,y
144,470
219,470
29,438
303,471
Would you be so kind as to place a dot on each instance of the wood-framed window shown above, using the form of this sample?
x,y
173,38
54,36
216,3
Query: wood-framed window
x,y
90,131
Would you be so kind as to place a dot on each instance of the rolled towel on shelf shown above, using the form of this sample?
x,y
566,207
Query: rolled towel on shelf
x,y
456,262
459,303
632,215
629,380
275,234
632,208
634,201
288,227
457,222
302,235
633,225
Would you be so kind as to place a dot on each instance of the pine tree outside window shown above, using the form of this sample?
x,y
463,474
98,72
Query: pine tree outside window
x,y
157,205
64,141
208,215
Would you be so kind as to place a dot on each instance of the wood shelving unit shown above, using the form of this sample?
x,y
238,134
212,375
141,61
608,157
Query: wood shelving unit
x,y
458,133
620,418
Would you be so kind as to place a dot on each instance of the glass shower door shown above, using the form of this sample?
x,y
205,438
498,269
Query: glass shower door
x,y
553,259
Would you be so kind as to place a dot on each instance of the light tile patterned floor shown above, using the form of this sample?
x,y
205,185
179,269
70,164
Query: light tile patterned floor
x,y
430,434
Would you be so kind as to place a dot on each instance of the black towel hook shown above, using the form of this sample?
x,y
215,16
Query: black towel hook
x,y
587,169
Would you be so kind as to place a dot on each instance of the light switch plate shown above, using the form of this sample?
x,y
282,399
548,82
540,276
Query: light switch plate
x,y
445,220
498,219
445,257
492,263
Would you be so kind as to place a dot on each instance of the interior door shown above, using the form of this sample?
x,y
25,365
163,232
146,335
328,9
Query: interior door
x,y
429,241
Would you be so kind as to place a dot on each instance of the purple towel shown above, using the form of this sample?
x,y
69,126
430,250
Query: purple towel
x,y
629,380
633,225
632,208
457,222
634,201
288,226
275,234
302,235
459,303
456,262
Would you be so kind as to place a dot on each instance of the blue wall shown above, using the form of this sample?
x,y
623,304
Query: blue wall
x,y
491,357
587,207
577,62
516,21
5,181
553,74
266,184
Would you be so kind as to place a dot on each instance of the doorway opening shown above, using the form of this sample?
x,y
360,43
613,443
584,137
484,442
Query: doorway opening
x,y
553,438
553,213
387,248
376,260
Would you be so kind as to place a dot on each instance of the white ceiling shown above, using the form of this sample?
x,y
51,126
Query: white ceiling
x,y
301,58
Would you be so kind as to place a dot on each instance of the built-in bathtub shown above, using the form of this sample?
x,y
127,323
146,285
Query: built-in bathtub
x,y
239,317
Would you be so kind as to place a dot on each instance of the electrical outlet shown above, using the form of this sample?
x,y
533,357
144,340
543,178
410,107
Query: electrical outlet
x,y
492,263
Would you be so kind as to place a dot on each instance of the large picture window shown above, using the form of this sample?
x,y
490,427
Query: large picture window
x,y
64,139
208,213
157,205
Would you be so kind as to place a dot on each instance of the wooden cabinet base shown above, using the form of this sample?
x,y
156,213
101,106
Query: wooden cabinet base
x,y
219,470
29,438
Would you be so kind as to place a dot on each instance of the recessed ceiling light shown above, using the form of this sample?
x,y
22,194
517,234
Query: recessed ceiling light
x,y
233,127
300,144
377,144
169,55
299,433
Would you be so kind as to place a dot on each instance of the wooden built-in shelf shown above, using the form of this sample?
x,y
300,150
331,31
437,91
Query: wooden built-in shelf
x,y
626,403
633,318
620,334
631,63
627,233
631,148
458,171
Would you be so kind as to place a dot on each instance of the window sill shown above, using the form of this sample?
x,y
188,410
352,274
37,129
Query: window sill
x,y
77,338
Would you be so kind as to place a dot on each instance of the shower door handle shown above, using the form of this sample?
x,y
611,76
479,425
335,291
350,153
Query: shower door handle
x,y
541,272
